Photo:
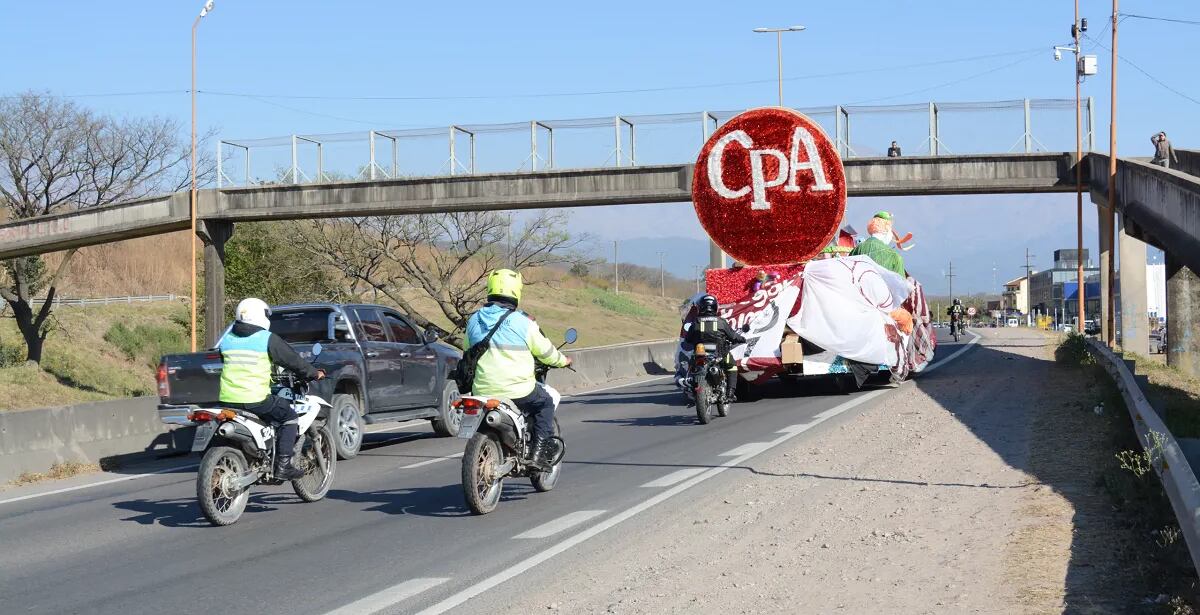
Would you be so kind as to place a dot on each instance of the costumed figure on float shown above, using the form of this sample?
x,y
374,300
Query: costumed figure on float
x,y
770,190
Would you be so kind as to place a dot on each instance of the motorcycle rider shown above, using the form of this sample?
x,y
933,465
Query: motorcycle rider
x,y
709,328
248,352
956,312
506,369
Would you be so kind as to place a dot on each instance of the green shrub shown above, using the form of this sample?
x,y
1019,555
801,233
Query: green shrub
x,y
1073,350
619,304
147,342
11,355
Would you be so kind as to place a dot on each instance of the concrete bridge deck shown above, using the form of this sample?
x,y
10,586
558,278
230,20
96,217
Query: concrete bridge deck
x,y
915,175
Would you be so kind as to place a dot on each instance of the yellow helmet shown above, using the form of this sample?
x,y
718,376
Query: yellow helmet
x,y
505,283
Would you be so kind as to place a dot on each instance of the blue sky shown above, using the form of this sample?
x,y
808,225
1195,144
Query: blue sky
x,y
453,53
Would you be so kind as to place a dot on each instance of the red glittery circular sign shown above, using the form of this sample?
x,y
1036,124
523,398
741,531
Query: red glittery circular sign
x,y
769,187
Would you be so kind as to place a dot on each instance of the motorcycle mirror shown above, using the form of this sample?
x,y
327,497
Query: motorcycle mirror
x,y
316,350
571,335
431,335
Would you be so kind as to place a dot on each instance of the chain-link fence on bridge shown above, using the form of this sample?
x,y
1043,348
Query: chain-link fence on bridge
x,y
929,129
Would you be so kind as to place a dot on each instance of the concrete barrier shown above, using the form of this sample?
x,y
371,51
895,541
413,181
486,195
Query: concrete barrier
x,y
34,440
606,364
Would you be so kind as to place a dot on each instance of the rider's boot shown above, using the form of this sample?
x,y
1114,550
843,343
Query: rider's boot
x,y
731,386
285,468
551,451
538,452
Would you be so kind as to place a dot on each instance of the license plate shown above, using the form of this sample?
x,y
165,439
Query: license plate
x,y
204,433
470,424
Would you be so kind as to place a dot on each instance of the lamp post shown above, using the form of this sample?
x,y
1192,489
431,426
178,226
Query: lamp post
x,y
208,7
1110,218
1077,28
779,50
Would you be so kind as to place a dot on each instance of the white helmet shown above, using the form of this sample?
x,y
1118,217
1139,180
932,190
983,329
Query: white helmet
x,y
254,312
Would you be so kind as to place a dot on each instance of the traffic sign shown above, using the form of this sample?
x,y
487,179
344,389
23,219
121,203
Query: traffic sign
x,y
769,187
971,311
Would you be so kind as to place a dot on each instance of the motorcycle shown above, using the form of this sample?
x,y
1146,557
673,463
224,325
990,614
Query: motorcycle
x,y
706,376
239,451
499,442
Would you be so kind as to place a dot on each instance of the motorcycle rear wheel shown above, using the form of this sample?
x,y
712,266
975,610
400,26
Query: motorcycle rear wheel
x,y
220,465
480,487
703,408
545,481
316,483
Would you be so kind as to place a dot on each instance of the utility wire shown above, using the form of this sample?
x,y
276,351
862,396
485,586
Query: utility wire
x,y
620,91
1152,18
1147,74
953,82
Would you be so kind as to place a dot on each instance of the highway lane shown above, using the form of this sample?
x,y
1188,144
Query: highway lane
x,y
394,530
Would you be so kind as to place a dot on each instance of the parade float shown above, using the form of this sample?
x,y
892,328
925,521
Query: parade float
x,y
770,191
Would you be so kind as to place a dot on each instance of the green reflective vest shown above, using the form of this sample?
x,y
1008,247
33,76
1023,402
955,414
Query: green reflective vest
x,y
246,374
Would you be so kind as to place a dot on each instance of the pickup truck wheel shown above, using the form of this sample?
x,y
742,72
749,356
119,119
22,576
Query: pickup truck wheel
x,y
346,422
449,419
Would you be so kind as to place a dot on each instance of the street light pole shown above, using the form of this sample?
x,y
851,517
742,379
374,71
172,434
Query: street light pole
x,y
208,6
779,50
662,280
1081,292
1110,216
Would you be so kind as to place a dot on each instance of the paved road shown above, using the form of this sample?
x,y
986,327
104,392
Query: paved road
x,y
394,534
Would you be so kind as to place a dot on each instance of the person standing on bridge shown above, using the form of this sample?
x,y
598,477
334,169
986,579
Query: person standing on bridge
x,y
506,368
248,352
1164,154
894,150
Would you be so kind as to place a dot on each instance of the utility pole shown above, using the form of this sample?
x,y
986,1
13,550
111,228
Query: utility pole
x,y
696,269
662,280
1110,216
1028,267
950,276
1075,29
616,271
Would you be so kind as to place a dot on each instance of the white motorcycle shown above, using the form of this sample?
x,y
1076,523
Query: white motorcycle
x,y
499,445
239,452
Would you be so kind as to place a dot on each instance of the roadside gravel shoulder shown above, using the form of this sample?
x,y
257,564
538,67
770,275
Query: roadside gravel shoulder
x,y
948,495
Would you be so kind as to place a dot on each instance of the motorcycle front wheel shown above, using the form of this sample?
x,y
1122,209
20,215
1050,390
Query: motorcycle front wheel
x,y
219,468
481,486
703,408
318,457
545,481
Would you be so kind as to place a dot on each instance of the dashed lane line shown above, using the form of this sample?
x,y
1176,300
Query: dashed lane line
x,y
421,464
674,477
397,593
560,524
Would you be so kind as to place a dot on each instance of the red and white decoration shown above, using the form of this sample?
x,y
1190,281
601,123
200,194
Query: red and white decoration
x,y
769,187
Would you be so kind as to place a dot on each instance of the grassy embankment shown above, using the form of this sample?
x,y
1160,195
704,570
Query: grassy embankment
x,y
104,352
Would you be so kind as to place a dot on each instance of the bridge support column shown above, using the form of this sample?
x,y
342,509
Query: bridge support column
x,y
716,256
214,233
1135,327
1183,317
1104,218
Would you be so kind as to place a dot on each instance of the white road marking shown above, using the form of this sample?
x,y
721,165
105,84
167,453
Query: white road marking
x,y
381,600
749,448
568,543
421,464
800,428
674,477
953,355
404,425
562,523
99,483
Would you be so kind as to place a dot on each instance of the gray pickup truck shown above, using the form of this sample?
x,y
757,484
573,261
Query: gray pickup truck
x,y
379,368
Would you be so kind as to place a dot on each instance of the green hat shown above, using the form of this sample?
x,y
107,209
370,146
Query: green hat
x,y
886,215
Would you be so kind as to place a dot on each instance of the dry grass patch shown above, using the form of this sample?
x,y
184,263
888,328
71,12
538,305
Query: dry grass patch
x,y
65,469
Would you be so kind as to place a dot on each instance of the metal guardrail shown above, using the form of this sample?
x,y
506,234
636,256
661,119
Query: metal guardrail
x,y
1172,467
62,302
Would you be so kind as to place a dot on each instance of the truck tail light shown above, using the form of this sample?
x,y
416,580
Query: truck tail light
x,y
164,385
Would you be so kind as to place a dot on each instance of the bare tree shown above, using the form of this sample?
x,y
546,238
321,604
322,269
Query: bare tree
x,y
444,257
56,156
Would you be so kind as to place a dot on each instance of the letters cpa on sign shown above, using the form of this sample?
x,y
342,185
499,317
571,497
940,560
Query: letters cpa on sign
x,y
769,187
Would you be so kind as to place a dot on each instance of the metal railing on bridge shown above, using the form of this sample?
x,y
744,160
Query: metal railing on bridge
x,y
933,128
